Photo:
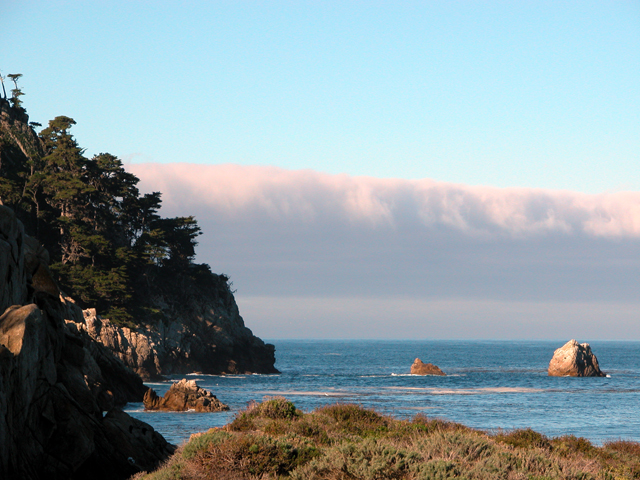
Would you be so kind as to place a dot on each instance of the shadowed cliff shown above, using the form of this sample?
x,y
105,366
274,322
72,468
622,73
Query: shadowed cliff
x,y
119,259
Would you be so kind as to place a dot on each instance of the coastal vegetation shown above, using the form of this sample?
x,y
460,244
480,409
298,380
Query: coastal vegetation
x,y
109,247
275,440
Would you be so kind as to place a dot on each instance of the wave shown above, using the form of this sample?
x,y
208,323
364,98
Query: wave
x,y
466,391
311,393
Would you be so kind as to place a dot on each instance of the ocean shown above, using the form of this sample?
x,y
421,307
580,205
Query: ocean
x,y
490,385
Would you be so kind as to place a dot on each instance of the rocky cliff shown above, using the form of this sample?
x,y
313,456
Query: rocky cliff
x,y
210,337
182,317
56,383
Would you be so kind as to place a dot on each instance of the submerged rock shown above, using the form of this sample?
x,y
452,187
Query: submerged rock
x,y
184,395
574,360
420,368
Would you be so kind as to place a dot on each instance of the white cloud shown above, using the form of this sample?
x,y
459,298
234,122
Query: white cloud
x,y
309,196
302,234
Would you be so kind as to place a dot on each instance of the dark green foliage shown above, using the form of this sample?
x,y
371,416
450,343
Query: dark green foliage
x,y
109,248
16,93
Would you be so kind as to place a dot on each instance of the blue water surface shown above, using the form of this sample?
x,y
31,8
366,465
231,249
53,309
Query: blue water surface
x,y
489,385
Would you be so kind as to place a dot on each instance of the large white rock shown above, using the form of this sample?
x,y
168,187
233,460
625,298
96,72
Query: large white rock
x,y
574,360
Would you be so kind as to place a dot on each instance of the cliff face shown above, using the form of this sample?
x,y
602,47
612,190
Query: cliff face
x,y
193,321
215,341
56,382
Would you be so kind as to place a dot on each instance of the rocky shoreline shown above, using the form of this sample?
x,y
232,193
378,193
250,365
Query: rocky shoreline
x,y
214,342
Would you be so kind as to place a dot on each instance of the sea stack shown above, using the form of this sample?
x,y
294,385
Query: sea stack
x,y
184,395
574,360
419,368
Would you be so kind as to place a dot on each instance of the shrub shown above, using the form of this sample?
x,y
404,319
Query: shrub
x,y
242,422
430,425
570,444
437,470
256,455
277,408
310,429
201,442
524,438
624,446
347,442
367,459
355,419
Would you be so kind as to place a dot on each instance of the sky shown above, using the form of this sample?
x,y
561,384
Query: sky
x,y
371,169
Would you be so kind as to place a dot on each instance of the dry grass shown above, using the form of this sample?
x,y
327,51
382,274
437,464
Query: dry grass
x,y
274,440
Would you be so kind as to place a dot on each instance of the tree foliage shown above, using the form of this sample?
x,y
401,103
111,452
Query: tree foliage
x,y
109,247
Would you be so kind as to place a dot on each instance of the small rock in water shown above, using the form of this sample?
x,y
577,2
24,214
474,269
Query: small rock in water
x,y
184,395
419,368
574,360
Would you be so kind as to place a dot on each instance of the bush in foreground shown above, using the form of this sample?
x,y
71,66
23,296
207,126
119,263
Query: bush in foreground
x,y
274,440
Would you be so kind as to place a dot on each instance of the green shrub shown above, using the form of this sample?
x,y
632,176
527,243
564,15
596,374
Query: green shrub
x,y
277,408
524,438
355,419
570,444
313,430
202,442
242,422
367,459
428,425
256,455
437,470
273,440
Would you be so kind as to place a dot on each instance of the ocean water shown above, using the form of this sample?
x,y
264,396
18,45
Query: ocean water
x,y
490,385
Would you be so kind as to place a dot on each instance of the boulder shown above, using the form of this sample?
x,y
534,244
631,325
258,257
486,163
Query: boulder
x,y
184,395
574,360
419,368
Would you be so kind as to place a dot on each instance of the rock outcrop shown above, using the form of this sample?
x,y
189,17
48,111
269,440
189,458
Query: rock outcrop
x,y
184,395
13,289
574,360
215,341
419,368
56,383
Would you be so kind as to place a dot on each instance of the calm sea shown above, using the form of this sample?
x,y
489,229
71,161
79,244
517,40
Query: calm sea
x,y
489,385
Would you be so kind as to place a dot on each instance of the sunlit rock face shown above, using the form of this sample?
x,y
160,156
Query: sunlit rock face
x,y
214,340
574,360
420,368
184,395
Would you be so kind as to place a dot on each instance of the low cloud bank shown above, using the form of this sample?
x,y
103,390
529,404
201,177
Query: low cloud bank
x,y
306,197
283,235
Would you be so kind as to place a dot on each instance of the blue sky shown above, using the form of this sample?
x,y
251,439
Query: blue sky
x,y
371,169
535,94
